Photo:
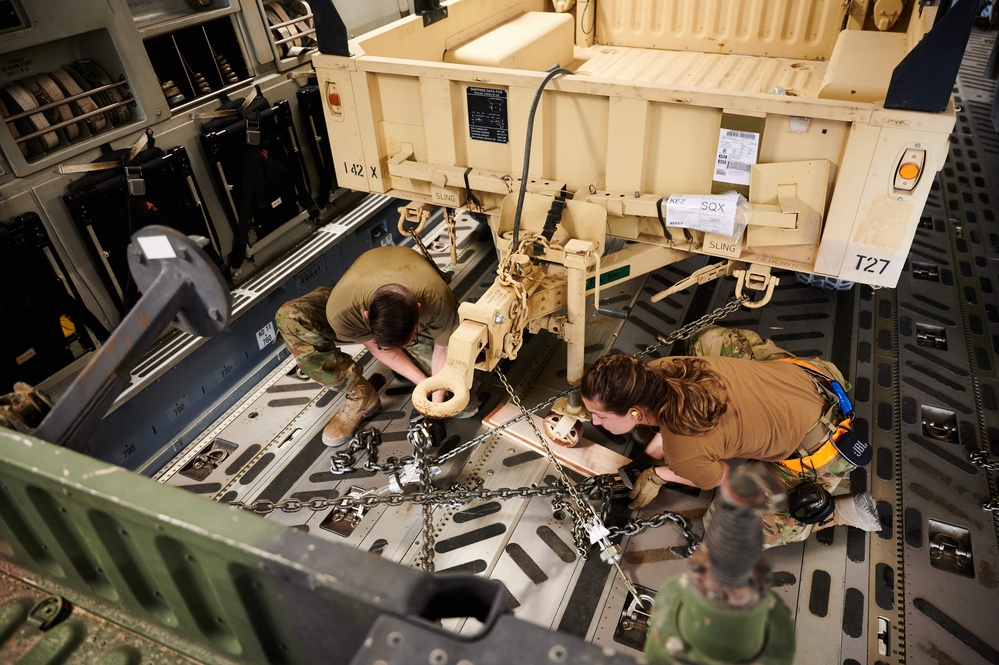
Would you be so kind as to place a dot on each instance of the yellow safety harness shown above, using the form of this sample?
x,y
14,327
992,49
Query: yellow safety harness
x,y
828,451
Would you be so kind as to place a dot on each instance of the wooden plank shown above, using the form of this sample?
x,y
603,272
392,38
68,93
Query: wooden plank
x,y
587,458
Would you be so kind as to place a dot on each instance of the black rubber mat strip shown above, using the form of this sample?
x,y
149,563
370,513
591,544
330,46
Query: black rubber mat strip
x,y
289,401
295,469
202,488
913,525
884,586
856,545
886,515
521,458
472,567
470,538
965,636
241,461
585,597
563,550
477,512
946,456
818,598
526,564
853,612
255,470
308,495
292,387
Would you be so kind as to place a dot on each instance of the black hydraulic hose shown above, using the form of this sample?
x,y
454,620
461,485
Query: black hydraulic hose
x,y
552,73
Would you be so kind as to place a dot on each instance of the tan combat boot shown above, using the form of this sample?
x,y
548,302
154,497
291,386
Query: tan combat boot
x,y
362,402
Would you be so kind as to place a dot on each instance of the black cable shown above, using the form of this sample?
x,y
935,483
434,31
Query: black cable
x,y
552,73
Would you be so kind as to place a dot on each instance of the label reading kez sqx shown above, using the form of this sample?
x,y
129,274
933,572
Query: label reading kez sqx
x,y
487,117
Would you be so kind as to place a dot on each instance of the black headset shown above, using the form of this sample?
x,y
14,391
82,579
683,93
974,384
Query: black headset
x,y
809,502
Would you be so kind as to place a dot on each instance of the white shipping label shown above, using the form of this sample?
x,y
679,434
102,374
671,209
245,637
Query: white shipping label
x,y
736,155
266,335
157,247
710,213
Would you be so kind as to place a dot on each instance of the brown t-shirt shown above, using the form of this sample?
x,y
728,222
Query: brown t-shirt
x,y
377,267
771,407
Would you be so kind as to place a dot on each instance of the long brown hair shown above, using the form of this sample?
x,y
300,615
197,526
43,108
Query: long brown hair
x,y
685,393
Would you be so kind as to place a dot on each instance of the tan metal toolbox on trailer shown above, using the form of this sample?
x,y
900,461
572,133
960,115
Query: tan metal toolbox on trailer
x,y
781,101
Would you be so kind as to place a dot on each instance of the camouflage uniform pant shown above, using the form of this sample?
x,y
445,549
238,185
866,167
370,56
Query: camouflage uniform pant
x,y
310,338
779,528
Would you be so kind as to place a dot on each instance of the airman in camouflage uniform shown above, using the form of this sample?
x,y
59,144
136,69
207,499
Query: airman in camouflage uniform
x,y
311,340
391,300
779,528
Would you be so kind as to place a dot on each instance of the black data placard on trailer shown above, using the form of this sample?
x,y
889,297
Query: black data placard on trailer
x,y
487,118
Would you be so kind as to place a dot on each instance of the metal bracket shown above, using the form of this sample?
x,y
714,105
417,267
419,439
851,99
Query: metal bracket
x,y
48,612
755,278
700,276
431,11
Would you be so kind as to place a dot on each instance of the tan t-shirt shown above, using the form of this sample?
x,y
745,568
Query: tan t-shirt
x,y
771,407
391,265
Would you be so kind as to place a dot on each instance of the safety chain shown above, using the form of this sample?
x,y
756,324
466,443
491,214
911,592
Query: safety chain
x,y
471,443
981,459
636,527
421,440
582,507
455,497
596,488
686,331
366,441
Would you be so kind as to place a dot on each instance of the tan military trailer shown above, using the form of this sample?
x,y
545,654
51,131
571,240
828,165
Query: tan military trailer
x,y
798,135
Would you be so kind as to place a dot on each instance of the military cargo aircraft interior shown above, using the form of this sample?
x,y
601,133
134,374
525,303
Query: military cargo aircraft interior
x,y
493,331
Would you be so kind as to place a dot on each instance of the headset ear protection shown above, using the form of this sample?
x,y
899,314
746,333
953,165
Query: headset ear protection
x,y
810,503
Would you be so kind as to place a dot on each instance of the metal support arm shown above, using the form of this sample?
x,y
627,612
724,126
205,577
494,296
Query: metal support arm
x,y
180,285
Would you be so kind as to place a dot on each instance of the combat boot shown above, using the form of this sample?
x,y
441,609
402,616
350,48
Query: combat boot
x,y
362,402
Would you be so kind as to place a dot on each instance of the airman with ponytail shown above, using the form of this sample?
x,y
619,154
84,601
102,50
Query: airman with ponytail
x,y
709,409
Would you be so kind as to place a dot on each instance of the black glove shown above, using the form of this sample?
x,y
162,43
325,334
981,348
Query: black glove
x,y
438,431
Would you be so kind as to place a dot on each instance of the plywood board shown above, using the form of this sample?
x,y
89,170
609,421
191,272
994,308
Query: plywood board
x,y
587,458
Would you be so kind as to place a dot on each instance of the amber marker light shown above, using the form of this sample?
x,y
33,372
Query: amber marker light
x,y
908,171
